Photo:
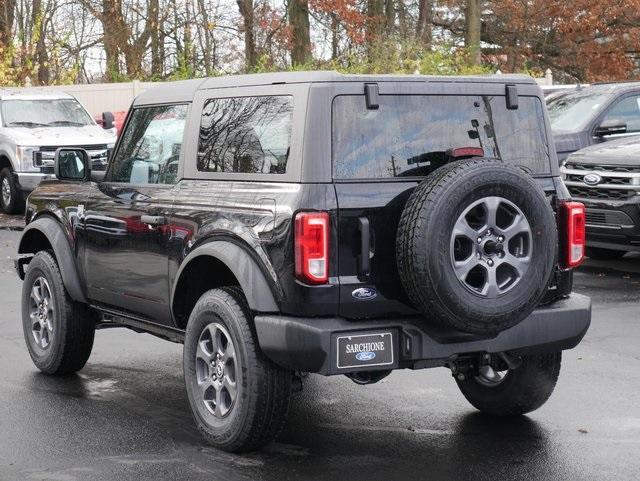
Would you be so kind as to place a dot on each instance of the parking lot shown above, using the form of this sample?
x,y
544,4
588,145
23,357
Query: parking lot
x,y
125,415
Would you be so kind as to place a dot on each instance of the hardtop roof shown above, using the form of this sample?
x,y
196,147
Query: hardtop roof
x,y
184,91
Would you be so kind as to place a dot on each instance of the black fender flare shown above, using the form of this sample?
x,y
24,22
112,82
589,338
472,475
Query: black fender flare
x,y
252,280
59,240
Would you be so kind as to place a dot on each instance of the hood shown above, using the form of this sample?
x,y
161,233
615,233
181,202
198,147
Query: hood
x,y
570,142
624,151
63,136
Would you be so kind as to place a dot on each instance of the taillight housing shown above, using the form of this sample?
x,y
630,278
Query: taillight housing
x,y
573,217
312,247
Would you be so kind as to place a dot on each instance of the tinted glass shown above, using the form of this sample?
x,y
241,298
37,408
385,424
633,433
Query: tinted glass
x,y
628,111
49,113
150,147
571,112
245,135
409,135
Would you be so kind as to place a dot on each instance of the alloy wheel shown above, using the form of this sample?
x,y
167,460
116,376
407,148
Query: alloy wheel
x,y
491,246
217,368
41,312
6,191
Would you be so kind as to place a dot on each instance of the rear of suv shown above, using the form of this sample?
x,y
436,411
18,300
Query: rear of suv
x,y
283,224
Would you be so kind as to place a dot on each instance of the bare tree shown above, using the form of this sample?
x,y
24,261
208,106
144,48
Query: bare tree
x,y
246,11
298,11
472,30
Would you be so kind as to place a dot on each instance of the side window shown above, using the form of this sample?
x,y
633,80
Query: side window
x,y
150,147
627,110
245,135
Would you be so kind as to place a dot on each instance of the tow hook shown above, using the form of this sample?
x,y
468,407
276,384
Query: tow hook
x,y
512,362
460,367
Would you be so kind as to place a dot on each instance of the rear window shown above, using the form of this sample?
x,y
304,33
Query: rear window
x,y
409,135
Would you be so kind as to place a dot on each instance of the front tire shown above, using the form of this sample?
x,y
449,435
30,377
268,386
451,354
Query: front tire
x,y
239,399
58,331
11,198
518,391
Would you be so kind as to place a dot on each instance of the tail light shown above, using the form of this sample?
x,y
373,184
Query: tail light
x,y
574,224
312,247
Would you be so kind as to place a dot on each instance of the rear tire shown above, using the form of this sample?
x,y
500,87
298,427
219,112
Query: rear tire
x,y
239,399
521,391
11,197
601,254
58,331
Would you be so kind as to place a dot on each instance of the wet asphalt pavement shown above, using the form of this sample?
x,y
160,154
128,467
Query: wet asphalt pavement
x,y
125,415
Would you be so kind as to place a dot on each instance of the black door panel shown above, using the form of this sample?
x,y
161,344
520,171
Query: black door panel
x,y
126,258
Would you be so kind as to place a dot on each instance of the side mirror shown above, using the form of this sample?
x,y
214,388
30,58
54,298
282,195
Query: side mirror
x,y
107,120
72,164
611,127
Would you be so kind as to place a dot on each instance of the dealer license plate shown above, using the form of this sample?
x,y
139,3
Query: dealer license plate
x,y
364,350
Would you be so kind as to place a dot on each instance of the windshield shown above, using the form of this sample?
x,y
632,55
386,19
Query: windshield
x,y
44,113
411,135
571,112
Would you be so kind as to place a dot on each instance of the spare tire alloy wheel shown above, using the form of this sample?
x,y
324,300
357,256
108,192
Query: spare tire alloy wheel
x,y
217,370
491,246
476,246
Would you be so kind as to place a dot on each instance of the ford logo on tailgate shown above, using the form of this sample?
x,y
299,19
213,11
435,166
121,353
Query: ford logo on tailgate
x,y
364,294
365,356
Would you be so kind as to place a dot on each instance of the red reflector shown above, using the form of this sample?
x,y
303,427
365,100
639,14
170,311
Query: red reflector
x,y
312,247
466,152
574,218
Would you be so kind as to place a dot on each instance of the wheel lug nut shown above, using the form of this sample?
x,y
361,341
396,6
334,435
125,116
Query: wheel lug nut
x,y
490,262
500,238
479,240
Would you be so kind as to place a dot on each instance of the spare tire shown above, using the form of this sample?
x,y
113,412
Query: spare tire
x,y
476,246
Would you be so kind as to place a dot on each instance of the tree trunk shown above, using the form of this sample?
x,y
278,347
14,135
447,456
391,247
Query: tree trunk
x,y
335,39
390,15
7,15
423,26
473,25
298,11
375,23
246,10
157,40
41,56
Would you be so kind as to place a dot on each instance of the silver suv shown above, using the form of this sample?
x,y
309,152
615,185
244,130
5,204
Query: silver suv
x,y
33,125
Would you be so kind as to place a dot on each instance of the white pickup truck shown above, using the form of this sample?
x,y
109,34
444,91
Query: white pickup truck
x,y
33,125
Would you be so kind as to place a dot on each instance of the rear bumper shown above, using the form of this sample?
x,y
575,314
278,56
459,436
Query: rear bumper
x,y
310,344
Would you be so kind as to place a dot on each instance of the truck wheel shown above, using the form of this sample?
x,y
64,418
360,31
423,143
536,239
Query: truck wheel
x,y
476,246
11,198
513,392
58,331
600,254
238,397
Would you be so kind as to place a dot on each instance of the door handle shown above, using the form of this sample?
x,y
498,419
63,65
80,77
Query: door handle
x,y
154,220
364,266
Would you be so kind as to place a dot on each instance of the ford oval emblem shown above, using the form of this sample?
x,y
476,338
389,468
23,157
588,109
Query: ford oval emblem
x,y
592,179
365,356
364,294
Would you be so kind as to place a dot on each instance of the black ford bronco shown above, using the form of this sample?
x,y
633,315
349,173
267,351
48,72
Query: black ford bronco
x,y
283,224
